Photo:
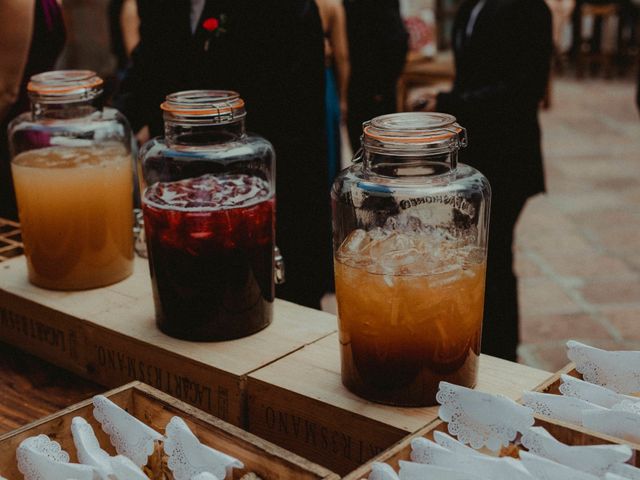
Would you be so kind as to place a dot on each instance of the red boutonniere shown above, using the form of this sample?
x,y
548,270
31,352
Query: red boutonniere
x,y
215,27
211,24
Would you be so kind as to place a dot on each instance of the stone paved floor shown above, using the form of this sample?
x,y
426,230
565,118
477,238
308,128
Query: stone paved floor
x,y
578,246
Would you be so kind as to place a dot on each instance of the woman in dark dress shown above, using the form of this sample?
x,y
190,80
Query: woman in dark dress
x,y
32,35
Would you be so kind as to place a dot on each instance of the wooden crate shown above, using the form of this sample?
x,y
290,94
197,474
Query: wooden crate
x,y
10,239
156,409
300,404
552,385
567,434
109,336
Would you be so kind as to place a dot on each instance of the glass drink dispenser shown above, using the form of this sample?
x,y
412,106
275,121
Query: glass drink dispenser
x,y
410,229
72,170
208,197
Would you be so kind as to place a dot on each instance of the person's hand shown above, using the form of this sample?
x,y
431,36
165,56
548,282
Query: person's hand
x,y
143,135
343,109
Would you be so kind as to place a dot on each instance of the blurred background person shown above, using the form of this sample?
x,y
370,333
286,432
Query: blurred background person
x,y
501,75
272,53
337,71
88,43
378,44
561,14
124,28
32,35
638,87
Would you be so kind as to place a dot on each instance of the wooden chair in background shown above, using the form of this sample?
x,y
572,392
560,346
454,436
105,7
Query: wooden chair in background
x,y
593,50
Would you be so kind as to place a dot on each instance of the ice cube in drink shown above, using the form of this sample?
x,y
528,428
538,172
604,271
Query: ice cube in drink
x,y
410,314
210,244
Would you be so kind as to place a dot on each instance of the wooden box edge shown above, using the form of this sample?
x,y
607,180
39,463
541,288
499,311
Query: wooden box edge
x,y
192,414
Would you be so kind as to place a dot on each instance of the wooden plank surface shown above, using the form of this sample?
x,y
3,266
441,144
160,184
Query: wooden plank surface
x,y
567,434
127,307
156,409
31,388
552,386
323,421
109,335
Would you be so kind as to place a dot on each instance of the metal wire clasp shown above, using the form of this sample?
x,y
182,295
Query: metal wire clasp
x,y
278,266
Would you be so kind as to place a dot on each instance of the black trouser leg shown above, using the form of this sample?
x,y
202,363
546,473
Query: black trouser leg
x,y
500,334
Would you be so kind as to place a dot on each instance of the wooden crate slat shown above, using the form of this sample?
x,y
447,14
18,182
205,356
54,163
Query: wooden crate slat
x,y
566,433
156,408
300,404
109,336
10,240
553,386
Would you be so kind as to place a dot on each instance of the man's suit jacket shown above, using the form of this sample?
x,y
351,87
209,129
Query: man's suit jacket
x,y
502,70
272,53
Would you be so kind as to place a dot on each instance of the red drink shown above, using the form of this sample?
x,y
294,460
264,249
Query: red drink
x,y
210,242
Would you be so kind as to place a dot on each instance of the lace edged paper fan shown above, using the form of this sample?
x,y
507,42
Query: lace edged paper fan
x,y
427,452
482,419
382,471
544,469
419,471
618,370
627,471
614,476
188,457
629,406
205,476
558,407
498,468
617,423
590,392
40,458
593,459
90,453
452,444
430,453
130,437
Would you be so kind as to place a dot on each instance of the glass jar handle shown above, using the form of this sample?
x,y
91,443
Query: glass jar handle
x,y
278,266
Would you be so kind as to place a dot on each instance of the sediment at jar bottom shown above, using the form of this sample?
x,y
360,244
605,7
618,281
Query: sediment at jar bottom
x,y
401,335
211,268
75,207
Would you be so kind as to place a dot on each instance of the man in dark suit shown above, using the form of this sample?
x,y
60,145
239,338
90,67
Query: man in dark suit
x,y
271,52
502,56
378,44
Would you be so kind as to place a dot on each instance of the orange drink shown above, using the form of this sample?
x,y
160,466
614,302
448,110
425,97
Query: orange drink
x,y
75,207
410,315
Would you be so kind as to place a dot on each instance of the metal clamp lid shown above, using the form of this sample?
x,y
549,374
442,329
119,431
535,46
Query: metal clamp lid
x,y
65,86
214,106
411,131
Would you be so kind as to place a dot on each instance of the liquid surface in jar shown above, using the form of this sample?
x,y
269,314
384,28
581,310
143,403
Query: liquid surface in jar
x,y
75,207
210,242
410,309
